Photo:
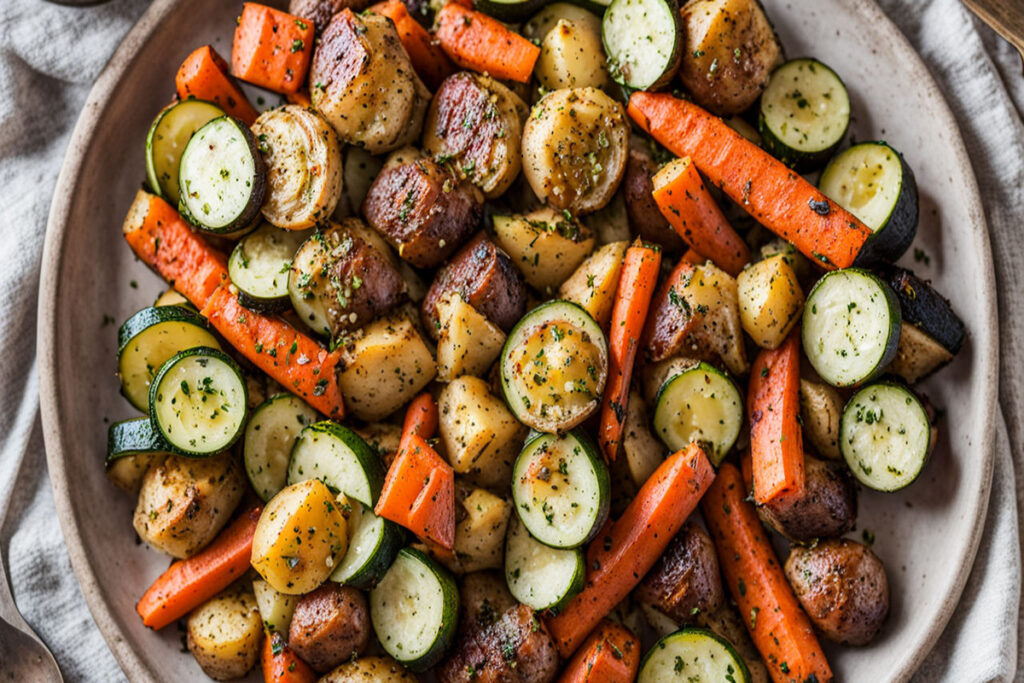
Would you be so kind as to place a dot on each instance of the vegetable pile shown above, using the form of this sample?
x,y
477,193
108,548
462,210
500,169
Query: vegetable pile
x,y
498,346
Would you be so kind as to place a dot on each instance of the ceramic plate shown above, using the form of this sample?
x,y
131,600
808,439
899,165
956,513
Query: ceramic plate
x,y
926,535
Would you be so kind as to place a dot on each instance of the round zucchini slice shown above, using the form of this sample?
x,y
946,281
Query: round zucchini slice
x,y
885,436
414,610
561,489
306,281
269,438
373,543
148,339
851,326
199,401
260,264
701,403
554,366
693,654
168,136
872,181
538,575
643,41
338,457
804,113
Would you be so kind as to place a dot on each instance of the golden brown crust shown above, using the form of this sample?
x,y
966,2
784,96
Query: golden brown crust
x,y
329,626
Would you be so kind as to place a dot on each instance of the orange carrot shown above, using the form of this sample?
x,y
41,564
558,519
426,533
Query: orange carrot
x,y
300,97
190,582
777,197
281,665
420,419
428,59
294,360
773,407
610,655
271,49
691,255
632,301
478,42
166,243
780,629
204,75
620,556
419,493
689,208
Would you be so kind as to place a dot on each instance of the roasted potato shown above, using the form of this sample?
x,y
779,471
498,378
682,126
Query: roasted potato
x,y
127,472
641,450
610,223
545,245
483,598
364,85
320,12
771,300
594,283
360,170
382,437
820,409
827,507
731,49
276,608
224,635
475,124
514,649
184,502
575,146
330,625
294,563
385,367
370,670
843,588
481,436
480,535
918,355
469,343
572,56
304,167
685,580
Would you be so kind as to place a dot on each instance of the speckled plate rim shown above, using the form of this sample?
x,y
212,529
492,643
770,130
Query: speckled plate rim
x,y
135,666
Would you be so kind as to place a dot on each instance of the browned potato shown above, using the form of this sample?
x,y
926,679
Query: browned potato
x,y
514,649
730,50
184,502
827,508
645,217
330,625
820,408
320,12
370,670
224,635
483,598
685,580
842,587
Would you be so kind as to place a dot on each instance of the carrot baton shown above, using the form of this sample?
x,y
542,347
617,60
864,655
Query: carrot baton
x,y
610,655
281,665
779,627
476,41
773,194
428,59
204,75
773,408
420,419
190,582
632,301
689,208
619,557
271,48
419,493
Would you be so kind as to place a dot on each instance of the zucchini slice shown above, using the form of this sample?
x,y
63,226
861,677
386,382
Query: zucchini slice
x,y
540,576
269,437
309,267
804,113
414,610
701,403
147,339
885,436
511,11
199,401
168,136
259,267
540,24
338,457
643,41
222,176
872,181
693,654
373,543
561,489
136,436
925,308
851,326
553,367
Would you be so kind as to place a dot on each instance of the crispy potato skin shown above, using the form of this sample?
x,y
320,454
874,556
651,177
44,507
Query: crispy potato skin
x,y
514,648
843,588
484,276
329,626
423,210
644,215
483,598
685,581
370,670
184,502
320,12
224,635
827,508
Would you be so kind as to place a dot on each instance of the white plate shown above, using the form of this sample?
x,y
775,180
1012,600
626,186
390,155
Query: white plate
x,y
926,535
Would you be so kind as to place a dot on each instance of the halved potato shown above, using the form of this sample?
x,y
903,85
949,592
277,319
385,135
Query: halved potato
x,y
545,245
820,409
276,608
370,670
572,56
770,300
468,343
594,283
224,635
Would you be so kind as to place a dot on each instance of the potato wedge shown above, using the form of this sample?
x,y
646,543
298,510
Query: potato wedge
x,y
643,452
468,343
480,536
820,409
771,300
545,245
594,283
127,472
572,56
370,670
224,635
276,608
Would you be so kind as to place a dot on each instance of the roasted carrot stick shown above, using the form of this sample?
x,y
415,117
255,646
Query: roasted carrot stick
x,y
420,419
780,629
281,665
428,59
300,97
777,197
476,41
773,407
619,557
691,255
204,75
610,655
271,49
190,582
691,211
632,301
419,493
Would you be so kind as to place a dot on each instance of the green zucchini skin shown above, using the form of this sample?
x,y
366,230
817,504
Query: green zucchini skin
x,y
389,541
134,437
695,646
510,12
312,466
188,116
616,45
925,308
270,422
